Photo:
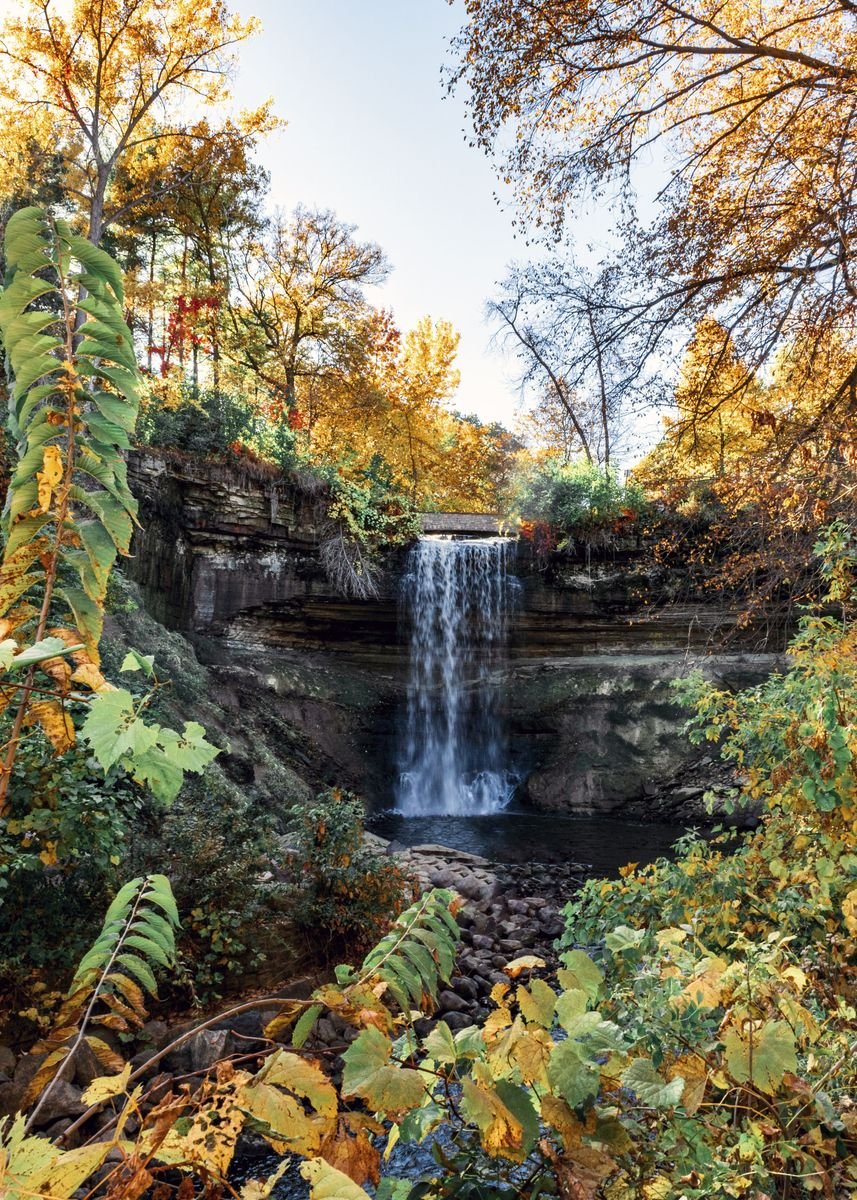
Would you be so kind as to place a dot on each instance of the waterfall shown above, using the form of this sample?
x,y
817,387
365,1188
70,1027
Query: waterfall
x,y
455,601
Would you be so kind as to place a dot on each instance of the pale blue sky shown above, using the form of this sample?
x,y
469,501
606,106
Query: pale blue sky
x,y
372,135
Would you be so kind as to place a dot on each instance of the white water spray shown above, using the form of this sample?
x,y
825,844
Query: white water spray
x,y
456,598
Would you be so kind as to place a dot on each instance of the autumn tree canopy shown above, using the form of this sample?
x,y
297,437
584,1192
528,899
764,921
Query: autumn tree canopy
x,y
113,80
753,108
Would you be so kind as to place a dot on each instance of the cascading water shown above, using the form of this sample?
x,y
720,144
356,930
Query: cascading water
x,y
453,759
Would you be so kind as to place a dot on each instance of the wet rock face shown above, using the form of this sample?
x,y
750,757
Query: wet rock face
x,y
232,561
602,732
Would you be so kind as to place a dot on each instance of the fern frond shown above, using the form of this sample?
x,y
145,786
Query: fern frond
x,y
74,401
135,933
418,954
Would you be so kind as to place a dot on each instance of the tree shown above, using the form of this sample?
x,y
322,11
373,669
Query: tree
x,y
205,193
754,107
109,81
558,318
297,290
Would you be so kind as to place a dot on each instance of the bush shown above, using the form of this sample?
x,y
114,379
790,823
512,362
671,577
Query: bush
x,y
576,500
217,854
61,853
216,424
343,894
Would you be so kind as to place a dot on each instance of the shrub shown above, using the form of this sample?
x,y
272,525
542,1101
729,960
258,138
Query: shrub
x,y
342,893
216,424
217,851
61,853
577,500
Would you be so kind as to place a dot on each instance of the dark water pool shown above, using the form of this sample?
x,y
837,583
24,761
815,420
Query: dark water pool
x,y
519,836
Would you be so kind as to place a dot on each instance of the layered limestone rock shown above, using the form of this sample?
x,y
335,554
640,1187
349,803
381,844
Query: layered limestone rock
x,y
230,558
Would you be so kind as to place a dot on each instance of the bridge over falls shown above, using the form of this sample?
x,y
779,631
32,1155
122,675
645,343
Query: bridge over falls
x,y
466,524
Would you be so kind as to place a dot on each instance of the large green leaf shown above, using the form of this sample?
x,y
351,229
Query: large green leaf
x,y
368,1074
644,1081
764,1060
573,1075
96,261
109,714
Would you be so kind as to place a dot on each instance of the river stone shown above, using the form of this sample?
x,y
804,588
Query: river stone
x,y
458,1020
206,1048
481,942
63,1100
155,1033
10,1098
450,1002
7,1061
27,1066
463,987
86,1065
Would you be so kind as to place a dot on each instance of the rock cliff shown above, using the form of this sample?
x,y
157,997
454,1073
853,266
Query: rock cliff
x,y
230,559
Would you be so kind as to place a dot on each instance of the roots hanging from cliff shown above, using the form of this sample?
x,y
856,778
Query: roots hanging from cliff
x,y
348,564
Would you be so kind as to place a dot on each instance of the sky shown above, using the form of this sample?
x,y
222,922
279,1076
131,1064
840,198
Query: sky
x,y
372,135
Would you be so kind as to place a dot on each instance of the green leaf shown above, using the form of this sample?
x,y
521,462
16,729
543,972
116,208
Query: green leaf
x,y
122,901
470,1042
88,616
304,1024
570,1005
160,892
109,714
96,261
153,925
140,970
581,972
390,1188
150,948
440,1044
367,1074
112,513
162,777
772,1054
190,751
644,1081
572,1073
50,647
623,938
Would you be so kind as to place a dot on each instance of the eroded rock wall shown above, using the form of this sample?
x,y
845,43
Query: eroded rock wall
x,y
231,560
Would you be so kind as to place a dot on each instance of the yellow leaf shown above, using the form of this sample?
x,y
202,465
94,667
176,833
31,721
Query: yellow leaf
x,y
531,1054
49,855
49,476
260,1189
107,1086
61,1178
282,1115
527,962
849,911
304,1078
105,1054
56,723
501,1133
659,1188
693,1070
90,676
326,1183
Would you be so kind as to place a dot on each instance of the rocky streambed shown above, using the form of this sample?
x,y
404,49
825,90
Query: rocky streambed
x,y
508,910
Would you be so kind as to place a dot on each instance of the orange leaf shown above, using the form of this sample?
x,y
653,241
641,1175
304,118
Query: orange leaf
x,y
56,723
